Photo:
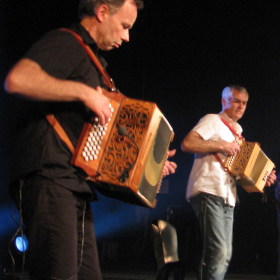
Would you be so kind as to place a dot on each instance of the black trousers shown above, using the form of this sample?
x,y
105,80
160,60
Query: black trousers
x,y
60,232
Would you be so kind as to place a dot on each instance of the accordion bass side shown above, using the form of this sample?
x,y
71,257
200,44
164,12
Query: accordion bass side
x,y
250,167
126,157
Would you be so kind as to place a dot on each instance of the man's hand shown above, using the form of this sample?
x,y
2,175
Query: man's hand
x,y
99,104
230,148
169,166
271,179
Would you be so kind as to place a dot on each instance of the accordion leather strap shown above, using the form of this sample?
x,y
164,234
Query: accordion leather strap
x,y
60,131
231,129
108,81
222,163
236,134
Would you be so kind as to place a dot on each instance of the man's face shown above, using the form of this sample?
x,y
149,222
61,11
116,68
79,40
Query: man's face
x,y
236,105
114,29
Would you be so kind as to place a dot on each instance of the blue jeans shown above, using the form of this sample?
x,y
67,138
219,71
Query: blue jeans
x,y
215,219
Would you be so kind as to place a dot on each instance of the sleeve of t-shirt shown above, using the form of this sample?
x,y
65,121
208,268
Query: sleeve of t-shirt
x,y
58,53
207,126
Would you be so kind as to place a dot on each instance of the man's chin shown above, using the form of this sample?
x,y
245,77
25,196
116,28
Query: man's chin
x,y
106,48
239,116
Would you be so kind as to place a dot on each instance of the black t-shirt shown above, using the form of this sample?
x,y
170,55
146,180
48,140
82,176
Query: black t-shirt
x,y
39,149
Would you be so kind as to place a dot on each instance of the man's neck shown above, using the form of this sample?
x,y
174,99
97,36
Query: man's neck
x,y
89,24
230,121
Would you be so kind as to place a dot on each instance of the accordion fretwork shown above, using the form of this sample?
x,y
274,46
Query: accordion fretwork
x,y
250,167
126,157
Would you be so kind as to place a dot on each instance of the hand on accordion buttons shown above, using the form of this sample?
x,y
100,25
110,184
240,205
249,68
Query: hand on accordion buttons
x,y
271,179
99,104
169,166
230,148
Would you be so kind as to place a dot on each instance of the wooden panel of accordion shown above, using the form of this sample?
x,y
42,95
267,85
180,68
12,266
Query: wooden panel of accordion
x,y
132,154
251,167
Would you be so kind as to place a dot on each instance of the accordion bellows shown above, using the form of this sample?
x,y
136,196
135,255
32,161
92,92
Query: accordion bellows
x,y
126,157
250,167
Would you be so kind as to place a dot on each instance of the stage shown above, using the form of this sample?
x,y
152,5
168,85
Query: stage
x,y
138,275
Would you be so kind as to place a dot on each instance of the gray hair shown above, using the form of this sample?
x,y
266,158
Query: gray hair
x,y
89,7
227,91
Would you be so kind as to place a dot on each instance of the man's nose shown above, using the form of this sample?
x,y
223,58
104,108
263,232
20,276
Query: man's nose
x,y
125,36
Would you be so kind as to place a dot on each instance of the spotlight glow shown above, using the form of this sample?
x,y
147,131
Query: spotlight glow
x,y
21,243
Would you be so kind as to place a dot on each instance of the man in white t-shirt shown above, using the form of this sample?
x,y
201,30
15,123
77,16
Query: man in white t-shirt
x,y
211,190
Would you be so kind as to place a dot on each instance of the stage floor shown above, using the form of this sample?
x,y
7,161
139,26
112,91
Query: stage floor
x,y
152,276
148,275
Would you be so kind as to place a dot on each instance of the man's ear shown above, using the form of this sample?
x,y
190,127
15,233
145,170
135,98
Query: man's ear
x,y
223,101
102,12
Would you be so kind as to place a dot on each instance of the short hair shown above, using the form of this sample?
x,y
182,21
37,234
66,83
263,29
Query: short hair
x,y
89,7
227,91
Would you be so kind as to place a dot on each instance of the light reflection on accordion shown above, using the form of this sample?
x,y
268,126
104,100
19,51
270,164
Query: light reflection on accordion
x,y
250,167
126,158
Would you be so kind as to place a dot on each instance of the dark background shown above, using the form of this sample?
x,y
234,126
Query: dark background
x,y
181,55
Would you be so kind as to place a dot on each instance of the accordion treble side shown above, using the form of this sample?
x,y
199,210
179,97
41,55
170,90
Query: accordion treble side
x,y
250,167
126,157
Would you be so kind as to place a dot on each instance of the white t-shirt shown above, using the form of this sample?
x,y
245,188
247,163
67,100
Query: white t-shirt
x,y
207,174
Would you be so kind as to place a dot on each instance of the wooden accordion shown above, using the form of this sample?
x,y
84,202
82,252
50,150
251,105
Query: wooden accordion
x,y
126,157
250,167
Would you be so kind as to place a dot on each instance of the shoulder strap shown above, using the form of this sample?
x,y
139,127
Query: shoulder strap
x,y
236,134
222,163
231,129
60,131
108,81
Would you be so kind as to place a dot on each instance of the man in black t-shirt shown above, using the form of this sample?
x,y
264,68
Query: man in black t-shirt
x,y
59,77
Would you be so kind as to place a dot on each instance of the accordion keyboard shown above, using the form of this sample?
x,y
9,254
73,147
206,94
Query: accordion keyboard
x,y
95,137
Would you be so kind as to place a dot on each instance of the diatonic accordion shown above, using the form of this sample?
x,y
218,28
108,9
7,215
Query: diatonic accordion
x,y
126,157
250,167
